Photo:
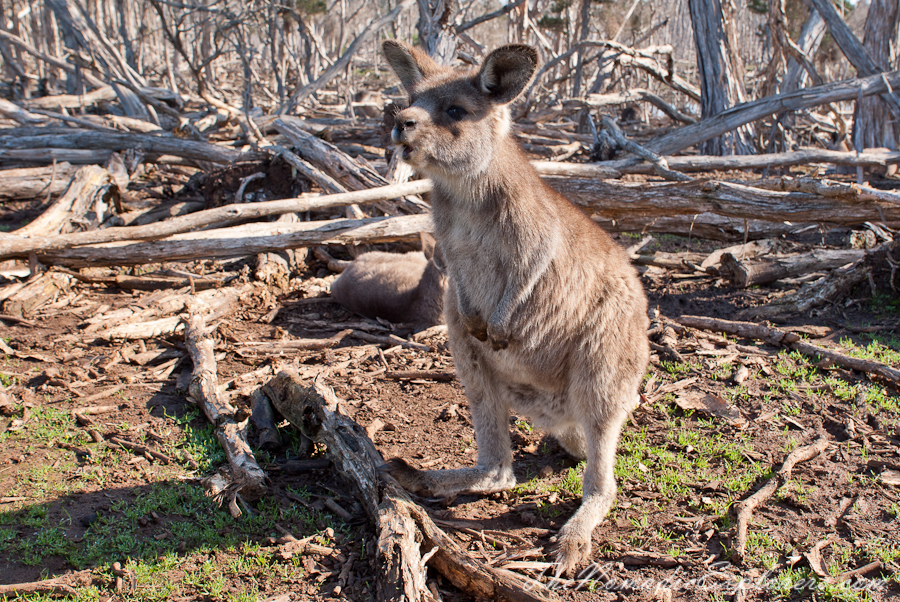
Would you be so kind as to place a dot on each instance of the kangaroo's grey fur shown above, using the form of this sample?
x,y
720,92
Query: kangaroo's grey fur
x,y
544,311
398,287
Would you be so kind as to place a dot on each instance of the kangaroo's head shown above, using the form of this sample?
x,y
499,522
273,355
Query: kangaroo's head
x,y
456,119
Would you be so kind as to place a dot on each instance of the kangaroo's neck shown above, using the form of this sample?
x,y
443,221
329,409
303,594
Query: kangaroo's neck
x,y
507,178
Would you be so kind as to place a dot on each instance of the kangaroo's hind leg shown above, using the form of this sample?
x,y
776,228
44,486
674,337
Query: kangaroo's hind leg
x,y
601,432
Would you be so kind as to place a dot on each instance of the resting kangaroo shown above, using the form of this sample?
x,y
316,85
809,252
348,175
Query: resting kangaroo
x,y
399,287
545,314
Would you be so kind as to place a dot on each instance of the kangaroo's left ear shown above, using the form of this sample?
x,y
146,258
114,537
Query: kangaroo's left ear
x,y
428,244
506,71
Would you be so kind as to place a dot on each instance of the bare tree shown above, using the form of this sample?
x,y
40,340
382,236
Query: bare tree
x,y
873,124
721,81
437,31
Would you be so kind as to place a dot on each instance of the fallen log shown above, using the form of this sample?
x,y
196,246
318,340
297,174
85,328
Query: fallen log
x,y
147,283
805,156
742,251
615,200
87,140
17,113
242,241
57,586
829,289
216,304
791,340
36,293
11,247
34,182
408,539
701,225
41,156
747,112
72,101
832,189
748,273
244,477
89,186
608,200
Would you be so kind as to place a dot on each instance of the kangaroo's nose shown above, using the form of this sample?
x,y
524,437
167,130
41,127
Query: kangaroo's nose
x,y
407,123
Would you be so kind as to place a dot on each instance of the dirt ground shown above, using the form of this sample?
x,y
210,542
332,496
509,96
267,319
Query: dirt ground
x,y
128,525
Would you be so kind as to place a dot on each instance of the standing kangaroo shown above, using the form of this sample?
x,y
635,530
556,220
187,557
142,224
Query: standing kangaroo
x,y
545,314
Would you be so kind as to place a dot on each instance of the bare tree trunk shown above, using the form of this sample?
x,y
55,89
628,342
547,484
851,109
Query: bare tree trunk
x,y
437,31
584,30
873,124
721,84
810,37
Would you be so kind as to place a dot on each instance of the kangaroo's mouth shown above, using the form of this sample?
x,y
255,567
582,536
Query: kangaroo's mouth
x,y
406,151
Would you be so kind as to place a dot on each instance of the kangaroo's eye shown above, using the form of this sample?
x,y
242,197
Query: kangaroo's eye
x,y
456,113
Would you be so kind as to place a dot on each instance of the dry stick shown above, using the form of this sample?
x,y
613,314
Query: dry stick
x,y
421,374
745,508
56,587
141,449
149,283
641,59
247,478
293,344
389,340
326,182
98,396
775,336
635,95
400,523
660,165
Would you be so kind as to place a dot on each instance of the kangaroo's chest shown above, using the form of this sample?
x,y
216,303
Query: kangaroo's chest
x,y
478,252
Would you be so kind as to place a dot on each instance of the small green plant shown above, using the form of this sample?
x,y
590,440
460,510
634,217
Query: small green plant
x,y
524,426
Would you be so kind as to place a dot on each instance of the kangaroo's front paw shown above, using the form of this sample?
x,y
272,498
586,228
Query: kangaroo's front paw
x,y
412,479
572,549
476,327
498,336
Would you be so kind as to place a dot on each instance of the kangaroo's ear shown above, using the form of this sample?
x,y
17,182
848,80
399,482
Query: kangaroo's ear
x,y
506,71
428,244
410,64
